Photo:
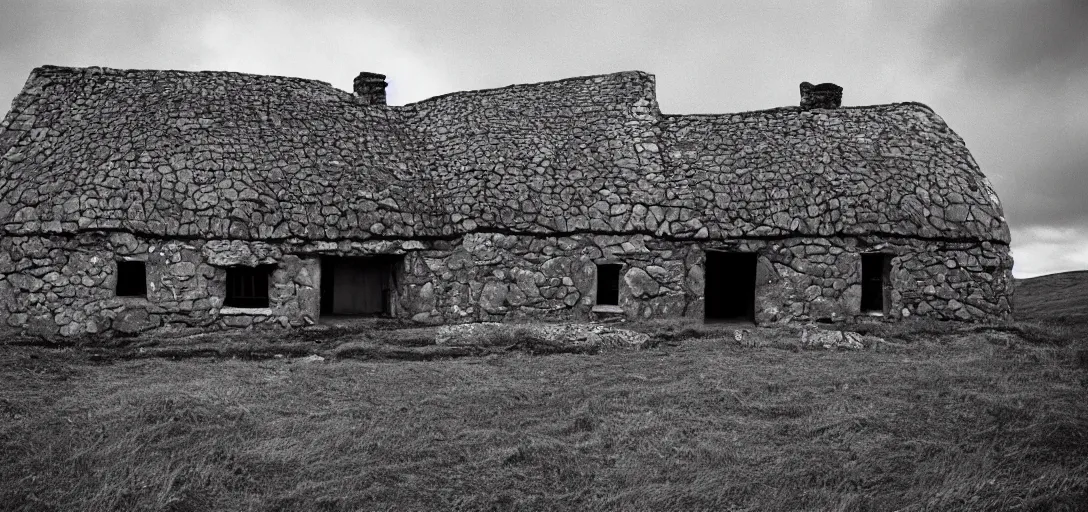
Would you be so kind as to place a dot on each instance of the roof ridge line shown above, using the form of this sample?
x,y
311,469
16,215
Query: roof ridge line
x,y
54,70
484,90
792,108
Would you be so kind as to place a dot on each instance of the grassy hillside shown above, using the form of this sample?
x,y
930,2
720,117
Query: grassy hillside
x,y
1056,297
943,417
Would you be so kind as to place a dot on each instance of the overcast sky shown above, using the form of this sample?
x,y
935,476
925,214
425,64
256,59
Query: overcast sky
x,y
1010,77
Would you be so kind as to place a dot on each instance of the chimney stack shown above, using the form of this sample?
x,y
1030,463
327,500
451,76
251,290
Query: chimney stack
x,y
370,88
820,96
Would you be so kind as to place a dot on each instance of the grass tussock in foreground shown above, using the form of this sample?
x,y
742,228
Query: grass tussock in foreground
x,y
952,419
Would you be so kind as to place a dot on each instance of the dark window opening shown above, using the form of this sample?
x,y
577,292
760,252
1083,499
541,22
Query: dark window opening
x,y
131,279
730,286
875,273
247,287
358,285
608,284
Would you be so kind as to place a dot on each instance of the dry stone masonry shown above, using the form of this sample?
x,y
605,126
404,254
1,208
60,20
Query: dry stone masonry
x,y
493,205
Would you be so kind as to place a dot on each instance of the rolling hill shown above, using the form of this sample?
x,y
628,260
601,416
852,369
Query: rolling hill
x,y
1053,298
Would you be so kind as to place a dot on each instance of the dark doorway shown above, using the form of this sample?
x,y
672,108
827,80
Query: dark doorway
x,y
875,271
608,284
730,290
357,285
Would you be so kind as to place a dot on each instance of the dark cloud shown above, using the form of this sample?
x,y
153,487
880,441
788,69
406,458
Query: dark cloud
x,y
1013,41
1017,73
1046,181
77,33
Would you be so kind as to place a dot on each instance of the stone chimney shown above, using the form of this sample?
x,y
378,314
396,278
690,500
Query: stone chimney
x,y
370,89
816,96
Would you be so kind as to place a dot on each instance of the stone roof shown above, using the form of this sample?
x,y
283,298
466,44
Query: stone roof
x,y
886,169
207,154
551,157
230,155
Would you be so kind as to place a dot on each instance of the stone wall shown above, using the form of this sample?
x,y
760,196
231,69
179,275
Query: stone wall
x,y
491,277
65,285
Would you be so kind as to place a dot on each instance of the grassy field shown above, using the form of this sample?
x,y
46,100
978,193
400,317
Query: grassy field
x,y
943,417
1061,298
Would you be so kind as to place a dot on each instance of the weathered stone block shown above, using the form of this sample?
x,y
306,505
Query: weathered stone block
x,y
640,284
493,297
134,320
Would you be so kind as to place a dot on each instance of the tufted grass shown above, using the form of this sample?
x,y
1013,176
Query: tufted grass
x,y
942,416
969,421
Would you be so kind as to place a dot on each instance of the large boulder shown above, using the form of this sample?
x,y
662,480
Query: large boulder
x,y
134,320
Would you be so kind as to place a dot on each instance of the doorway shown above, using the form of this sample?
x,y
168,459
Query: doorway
x,y
875,272
730,289
357,285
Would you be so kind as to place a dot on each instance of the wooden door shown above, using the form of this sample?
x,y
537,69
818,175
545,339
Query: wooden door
x,y
360,287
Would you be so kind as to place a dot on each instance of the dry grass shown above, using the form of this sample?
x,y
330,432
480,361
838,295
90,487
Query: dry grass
x,y
962,421
1056,297
942,416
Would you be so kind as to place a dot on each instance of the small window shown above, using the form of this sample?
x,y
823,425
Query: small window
x,y
608,284
131,279
247,287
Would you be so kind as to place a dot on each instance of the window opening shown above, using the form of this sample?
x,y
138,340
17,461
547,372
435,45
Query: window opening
x,y
608,284
247,287
131,279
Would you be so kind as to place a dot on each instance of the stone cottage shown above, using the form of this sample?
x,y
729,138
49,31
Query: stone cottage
x,y
133,199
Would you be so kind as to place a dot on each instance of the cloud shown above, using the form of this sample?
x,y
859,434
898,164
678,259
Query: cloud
x,y
330,48
293,40
1015,76
1046,250
73,33
1030,144
1007,42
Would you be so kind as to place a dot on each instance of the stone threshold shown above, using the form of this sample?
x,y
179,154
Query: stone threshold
x,y
246,311
607,309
